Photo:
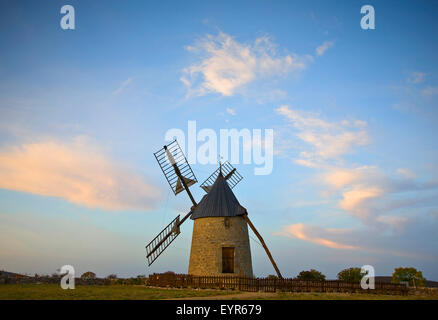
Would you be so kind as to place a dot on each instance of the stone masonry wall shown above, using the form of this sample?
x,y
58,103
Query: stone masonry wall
x,y
209,236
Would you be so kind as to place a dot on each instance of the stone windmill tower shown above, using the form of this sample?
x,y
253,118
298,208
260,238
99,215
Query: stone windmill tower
x,y
220,241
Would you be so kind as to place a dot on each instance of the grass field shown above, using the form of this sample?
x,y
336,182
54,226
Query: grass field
x,y
54,292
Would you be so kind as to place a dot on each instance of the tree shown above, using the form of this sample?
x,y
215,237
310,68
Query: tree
x,y
271,276
350,275
88,275
169,272
112,276
313,275
411,275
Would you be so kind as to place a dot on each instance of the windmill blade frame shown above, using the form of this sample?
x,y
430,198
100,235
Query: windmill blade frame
x,y
175,167
229,172
156,247
180,176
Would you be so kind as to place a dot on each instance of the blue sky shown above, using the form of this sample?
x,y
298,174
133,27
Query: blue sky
x,y
355,178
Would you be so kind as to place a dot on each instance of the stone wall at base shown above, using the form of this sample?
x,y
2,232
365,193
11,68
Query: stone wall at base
x,y
210,234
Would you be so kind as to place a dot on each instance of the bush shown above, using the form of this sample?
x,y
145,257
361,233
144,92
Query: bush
x,y
411,275
169,272
88,275
141,279
312,275
350,275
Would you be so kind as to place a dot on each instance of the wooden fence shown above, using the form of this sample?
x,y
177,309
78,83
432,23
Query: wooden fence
x,y
268,284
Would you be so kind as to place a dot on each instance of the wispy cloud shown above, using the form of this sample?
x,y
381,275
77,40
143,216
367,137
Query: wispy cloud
x,y
122,86
75,171
227,65
354,200
381,201
328,140
320,50
416,77
406,173
231,111
373,196
315,235
354,240
430,91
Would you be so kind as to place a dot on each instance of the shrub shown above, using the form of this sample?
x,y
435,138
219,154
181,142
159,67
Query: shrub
x,y
312,274
411,275
88,275
350,275
169,272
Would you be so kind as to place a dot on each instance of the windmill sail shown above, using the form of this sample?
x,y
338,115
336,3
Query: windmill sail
x,y
180,177
174,165
179,186
156,247
228,171
206,188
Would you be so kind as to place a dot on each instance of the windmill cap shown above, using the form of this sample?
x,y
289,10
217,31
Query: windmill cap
x,y
220,201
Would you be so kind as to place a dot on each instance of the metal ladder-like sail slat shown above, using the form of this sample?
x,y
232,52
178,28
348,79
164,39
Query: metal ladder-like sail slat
x,y
174,165
156,247
228,171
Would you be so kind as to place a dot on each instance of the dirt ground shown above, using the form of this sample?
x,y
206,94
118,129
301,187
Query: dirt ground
x,y
307,296
239,296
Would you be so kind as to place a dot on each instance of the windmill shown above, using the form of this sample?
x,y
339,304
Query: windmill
x,y
220,240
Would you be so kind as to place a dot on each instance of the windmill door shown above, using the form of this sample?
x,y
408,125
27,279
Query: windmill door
x,y
227,260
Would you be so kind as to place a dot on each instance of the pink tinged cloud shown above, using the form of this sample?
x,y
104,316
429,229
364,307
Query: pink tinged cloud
x,y
340,177
354,198
303,232
76,172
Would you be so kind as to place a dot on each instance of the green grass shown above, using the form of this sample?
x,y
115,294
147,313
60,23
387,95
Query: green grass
x,y
115,292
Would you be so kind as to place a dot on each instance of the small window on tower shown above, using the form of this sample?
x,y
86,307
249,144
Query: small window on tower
x,y
227,260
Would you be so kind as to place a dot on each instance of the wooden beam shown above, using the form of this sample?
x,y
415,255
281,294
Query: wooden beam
x,y
178,173
245,216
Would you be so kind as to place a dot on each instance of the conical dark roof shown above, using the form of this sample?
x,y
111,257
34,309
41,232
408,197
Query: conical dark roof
x,y
220,201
